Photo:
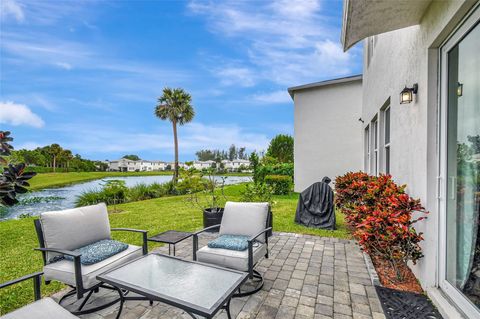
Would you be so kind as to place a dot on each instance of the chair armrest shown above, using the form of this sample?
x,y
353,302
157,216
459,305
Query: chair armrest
x,y
60,251
144,236
195,239
37,279
260,233
205,229
77,266
250,249
129,229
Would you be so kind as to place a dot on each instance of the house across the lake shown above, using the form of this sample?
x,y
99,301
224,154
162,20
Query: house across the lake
x,y
126,165
236,164
415,114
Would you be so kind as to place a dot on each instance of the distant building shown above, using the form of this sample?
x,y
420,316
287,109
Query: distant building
x,y
235,165
202,164
126,165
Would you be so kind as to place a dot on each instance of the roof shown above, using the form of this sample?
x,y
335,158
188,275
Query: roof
x,y
365,18
352,78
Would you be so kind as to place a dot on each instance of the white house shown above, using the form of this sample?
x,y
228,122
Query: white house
x,y
126,165
428,53
235,164
202,164
327,126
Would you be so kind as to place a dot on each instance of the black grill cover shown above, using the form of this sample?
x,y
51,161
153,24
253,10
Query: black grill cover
x,y
316,207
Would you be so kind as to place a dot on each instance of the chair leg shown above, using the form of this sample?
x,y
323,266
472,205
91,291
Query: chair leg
x,y
68,294
85,300
259,277
81,311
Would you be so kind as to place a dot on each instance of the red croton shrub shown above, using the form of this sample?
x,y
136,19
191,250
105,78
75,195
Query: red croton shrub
x,y
379,213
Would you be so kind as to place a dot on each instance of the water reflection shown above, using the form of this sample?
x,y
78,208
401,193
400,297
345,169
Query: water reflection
x,y
60,198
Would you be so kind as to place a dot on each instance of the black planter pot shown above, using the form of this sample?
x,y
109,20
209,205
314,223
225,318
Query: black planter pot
x,y
212,216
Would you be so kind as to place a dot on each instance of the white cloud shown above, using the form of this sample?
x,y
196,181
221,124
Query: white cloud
x,y
28,146
19,114
64,65
286,42
192,137
275,97
236,75
10,8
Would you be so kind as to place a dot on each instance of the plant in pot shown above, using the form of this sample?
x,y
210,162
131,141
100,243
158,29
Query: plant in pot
x,y
205,191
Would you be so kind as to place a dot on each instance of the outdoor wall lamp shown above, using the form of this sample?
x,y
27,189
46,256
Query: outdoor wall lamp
x,y
406,96
459,89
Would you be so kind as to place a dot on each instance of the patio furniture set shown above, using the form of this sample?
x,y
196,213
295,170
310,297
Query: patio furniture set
x,y
77,250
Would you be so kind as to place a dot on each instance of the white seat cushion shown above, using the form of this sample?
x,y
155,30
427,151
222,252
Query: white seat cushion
x,y
233,259
246,219
74,228
63,270
45,308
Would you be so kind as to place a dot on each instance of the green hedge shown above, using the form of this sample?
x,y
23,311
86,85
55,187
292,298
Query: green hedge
x,y
281,184
285,169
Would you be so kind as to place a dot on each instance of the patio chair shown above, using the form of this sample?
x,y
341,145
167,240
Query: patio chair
x,y
60,233
45,308
245,219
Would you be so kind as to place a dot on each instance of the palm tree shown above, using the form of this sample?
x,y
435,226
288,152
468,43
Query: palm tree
x,y
175,105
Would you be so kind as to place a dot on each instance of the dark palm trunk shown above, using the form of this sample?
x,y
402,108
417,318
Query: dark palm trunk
x,y
175,138
54,163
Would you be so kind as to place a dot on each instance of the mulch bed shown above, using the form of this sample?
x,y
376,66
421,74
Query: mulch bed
x,y
388,277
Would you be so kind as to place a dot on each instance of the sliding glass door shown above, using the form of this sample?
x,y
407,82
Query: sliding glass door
x,y
461,249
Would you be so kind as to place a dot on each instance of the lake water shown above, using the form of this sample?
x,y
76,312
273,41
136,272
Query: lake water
x,y
64,197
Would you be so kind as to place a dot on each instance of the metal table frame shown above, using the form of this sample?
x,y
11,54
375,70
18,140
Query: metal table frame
x,y
123,288
163,238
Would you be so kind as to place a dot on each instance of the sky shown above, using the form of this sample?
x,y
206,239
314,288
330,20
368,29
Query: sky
x,y
87,74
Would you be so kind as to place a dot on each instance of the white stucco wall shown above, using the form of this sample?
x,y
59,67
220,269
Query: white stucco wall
x,y
400,58
327,132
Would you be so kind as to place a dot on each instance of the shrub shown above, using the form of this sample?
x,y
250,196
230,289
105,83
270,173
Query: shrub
x,y
144,192
257,192
280,184
90,197
379,213
275,169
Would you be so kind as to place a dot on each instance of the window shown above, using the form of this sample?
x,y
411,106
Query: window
x,y
460,218
375,146
367,149
386,139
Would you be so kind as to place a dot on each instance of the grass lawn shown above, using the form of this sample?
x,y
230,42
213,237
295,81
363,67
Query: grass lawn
x,y
18,238
43,180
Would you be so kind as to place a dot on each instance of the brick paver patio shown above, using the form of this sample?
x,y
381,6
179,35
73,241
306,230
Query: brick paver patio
x,y
305,277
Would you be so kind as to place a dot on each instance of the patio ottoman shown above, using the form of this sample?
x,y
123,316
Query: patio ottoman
x,y
45,308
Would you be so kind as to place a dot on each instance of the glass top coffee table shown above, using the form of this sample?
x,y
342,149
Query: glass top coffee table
x,y
196,288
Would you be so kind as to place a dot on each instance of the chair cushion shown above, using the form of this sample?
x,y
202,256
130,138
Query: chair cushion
x,y
63,270
232,242
98,251
45,308
74,228
246,219
233,259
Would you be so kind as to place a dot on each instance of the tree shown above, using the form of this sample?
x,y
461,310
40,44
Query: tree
x,y
132,157
242,153
281,148
54,151
254,162
206,155
175,105
232,152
